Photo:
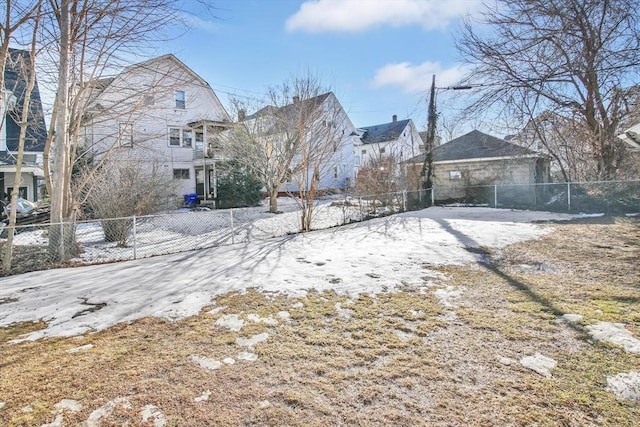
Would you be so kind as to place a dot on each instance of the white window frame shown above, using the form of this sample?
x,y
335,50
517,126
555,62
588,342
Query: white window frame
x,y
178,173
178,131
180,100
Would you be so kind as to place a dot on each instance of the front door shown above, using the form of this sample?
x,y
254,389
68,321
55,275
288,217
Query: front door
x,y
200,182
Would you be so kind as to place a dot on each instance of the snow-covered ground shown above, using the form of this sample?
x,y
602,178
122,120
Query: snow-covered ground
x,y
366,257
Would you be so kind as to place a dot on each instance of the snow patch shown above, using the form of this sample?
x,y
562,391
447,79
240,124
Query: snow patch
x,y
217,309
539,363
284,315
266,320
106,410
205,362
228,361
615,333
625,385
70,405
251,342
2,404
244,355
153,413
203,397
345,313
233,322
570,318
57,422
446,296
81,348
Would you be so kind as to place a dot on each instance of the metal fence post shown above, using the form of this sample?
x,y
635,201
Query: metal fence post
x,y
569,196
495,196
433,196
404,200
233,239
134,238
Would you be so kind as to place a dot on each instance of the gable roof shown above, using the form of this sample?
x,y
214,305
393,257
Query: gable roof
x,y
16,75
290,110
475,145
384,132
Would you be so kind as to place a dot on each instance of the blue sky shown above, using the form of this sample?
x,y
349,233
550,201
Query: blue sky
x,y
377,56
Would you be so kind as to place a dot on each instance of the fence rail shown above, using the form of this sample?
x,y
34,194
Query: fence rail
x,y
117,239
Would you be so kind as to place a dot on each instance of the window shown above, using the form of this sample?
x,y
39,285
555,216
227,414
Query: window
x,y
180,100
174,137
199,137
383,150
181,173
455,175
335,172
187,138
125,134
147,100
364,152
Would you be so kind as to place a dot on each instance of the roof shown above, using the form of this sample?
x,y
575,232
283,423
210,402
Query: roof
x,y
475,145
290,110
384,132
16,75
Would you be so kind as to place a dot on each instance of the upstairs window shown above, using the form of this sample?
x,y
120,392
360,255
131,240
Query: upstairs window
x,y
383,150
187,138
180,100
455,175
174,137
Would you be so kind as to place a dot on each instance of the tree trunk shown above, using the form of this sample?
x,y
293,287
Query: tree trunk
x,y
59,247
273,200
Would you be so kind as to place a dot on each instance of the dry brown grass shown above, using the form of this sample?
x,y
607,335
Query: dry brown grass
x,y
395,359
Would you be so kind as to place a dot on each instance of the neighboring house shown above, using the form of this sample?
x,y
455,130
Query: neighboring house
x,y
160,114
329,147
463,165
398,139
16,75
632,137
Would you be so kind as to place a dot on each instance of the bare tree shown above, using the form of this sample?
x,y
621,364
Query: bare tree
x,y
575,58
381,174
294,144
25,66
87,40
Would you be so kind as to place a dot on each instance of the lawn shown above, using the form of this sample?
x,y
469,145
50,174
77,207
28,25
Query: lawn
x,y
448,348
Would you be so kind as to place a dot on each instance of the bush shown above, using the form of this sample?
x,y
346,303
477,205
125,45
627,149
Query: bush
x,y
237,187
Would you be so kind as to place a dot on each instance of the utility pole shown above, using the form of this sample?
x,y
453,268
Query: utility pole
x,y
427,166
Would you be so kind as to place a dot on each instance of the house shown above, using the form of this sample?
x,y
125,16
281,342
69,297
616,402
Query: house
x,y
632,137
16,75
318,136
398,139
473,162
379,153
163,116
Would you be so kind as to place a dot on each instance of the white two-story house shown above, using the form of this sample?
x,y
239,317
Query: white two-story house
x,y
398,139
162,115
324,157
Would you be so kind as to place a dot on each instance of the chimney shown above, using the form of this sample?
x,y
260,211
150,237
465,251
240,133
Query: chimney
x,y
242,114
394,118
296,99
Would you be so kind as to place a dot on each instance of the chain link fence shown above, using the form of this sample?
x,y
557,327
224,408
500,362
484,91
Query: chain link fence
x,y
609,197
38,246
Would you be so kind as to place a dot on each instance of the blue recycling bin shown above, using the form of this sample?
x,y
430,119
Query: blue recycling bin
x,y
191,199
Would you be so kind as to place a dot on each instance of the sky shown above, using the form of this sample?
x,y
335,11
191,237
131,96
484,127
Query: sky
x,y
376,56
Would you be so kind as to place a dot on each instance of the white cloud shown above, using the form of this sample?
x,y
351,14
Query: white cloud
x,y
316,16
417,78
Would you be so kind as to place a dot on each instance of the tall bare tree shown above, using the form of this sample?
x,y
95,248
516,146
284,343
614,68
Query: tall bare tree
x,y
25,67
88,40
575,58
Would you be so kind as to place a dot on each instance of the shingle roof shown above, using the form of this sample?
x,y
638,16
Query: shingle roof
x,y
290,110
384,132
475,145
15,80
